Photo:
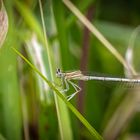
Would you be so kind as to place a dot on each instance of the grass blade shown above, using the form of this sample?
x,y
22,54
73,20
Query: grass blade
x,y
93,132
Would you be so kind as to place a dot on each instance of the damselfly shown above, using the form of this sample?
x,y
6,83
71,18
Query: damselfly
x,y
66,77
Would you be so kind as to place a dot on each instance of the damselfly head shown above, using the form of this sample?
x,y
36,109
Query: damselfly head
x,y
58,72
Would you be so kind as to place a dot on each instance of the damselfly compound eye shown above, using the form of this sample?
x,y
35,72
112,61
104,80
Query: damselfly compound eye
x,y
58,72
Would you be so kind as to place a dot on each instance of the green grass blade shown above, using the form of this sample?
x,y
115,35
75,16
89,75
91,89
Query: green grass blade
x,y
58,9
62,112
93,132
29,19
33,24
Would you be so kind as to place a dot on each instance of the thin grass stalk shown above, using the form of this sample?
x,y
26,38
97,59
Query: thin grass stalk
x,y
99,36
93,132
62,115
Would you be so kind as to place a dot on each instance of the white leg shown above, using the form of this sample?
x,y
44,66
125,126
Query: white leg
x,y
65,83
77,89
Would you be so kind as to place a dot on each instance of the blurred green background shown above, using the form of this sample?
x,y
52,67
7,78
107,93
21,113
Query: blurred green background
x,y
28,108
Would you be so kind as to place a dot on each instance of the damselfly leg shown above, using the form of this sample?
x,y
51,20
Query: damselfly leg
x,y
77,89
67,87
65,84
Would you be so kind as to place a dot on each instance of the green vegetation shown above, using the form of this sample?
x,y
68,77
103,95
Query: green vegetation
x,y
37,37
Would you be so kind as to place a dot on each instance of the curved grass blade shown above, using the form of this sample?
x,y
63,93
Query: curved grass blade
x,y
93,132
29,18
98,35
